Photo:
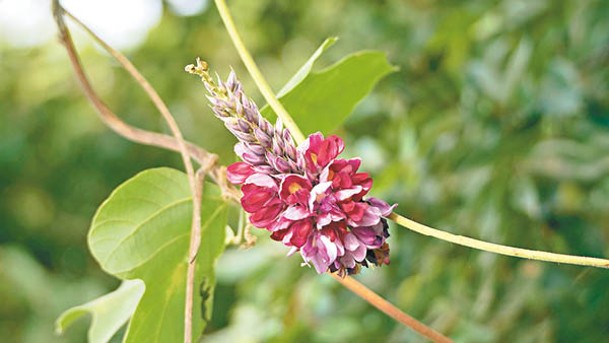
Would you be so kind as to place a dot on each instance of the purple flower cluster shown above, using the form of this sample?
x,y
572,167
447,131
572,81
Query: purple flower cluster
x,y
322,212
307,197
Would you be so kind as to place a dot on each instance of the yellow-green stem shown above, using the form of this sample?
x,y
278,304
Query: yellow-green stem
x,y
252,68
498,248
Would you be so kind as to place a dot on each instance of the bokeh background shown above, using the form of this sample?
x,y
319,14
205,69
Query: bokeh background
x,y
496,126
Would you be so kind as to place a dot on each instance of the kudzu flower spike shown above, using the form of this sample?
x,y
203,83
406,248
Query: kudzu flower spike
x,y
263,148
307,197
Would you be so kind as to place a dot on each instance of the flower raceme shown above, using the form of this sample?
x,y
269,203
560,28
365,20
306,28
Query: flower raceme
x,y
307,197
322,213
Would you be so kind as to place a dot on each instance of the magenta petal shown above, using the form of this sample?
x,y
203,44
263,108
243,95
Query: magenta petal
x,y
294,189
321,265
347,261
238,172
319,152
262,181
300,232
265,216
370,236
280,224
296,213
320,251
372,216
323,219
317,191
255,199
347,193
354,163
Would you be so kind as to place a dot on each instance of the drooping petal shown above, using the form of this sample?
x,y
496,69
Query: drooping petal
x,y
329,248
359,254
383,207
351,242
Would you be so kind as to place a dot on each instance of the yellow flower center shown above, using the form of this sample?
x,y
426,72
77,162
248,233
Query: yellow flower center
x,y
294,187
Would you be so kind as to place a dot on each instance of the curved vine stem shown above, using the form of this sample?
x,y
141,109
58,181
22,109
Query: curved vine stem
x,y
178,142
109,118
498,248
252,68
405,222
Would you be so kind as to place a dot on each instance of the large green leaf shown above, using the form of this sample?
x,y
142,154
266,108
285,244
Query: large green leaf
x,y
321,101
142,231
108,312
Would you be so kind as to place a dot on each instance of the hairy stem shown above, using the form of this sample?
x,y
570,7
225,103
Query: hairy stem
x,y
390,310
252,68
498,248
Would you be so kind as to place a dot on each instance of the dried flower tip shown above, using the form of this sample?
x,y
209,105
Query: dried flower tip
x,y
201,69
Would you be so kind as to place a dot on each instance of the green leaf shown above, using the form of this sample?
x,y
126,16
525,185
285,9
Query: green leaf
x,y
306,68
108,312
321,101
142,231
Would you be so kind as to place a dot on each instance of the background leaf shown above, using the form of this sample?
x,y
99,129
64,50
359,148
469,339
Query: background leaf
x,y
323,100
108,312
142,231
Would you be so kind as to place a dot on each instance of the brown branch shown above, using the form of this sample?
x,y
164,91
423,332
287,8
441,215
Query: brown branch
x,y
392,311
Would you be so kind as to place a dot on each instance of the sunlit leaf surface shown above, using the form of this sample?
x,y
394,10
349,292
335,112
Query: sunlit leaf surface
x,y
322,100
142,231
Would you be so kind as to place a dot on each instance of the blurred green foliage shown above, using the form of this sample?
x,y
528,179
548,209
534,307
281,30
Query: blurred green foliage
x,y
496,126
